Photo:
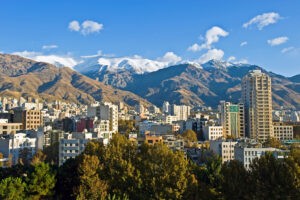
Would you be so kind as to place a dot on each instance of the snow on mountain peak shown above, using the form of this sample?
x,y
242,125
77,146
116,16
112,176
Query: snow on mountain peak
x,y
136,64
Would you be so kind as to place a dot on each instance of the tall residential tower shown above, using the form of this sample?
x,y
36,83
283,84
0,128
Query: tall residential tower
x,y
257,100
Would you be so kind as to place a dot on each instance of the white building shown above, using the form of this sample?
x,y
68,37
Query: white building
x,y
247,153
181,111
14,144
105,111
72,145
223,148
212,132
169,119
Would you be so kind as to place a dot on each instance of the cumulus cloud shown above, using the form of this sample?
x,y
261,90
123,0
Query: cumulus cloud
x,y
85,28
288,49
231,59
57,60
212,36
170,57
243,43
74,26
89,27
277,41
52,46
216,54
263,20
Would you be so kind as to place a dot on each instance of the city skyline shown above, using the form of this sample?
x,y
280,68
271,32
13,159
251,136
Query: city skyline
x,y
262,33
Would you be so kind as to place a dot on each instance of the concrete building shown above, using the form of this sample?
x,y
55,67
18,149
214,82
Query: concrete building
x,y
257,99
72,144
212,132
105,111
232,119
223,148
283,132
181,111
176,144
246,153
14,144
31,119
9,128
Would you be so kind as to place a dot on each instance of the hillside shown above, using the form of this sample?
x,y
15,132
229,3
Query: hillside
x,y
198,85
24,77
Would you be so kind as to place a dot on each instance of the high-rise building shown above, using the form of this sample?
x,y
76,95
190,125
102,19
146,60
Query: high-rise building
x,y
257,99
232,119
31,119
181,111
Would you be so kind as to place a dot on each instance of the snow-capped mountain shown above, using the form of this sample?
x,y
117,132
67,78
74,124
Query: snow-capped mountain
x,y
134,64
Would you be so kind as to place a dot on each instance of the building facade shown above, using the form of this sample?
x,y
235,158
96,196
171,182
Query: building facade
x,y
257,100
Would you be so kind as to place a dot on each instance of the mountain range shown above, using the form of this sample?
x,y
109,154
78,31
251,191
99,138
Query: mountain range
x,y
137,79
24,77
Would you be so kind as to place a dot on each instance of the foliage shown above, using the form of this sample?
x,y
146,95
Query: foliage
x,y
91,186
12,189
126,126
272,142
189,137
51,153
41,181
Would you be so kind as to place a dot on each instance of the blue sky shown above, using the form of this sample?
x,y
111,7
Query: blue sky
x,y
150,28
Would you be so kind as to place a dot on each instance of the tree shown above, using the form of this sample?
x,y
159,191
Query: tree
x,y
41,181
12,189
235,181
189,137
24,156
272,142
119,166
51,153
164,172
126,126
274,178
38,157
68,179
1,157
91,186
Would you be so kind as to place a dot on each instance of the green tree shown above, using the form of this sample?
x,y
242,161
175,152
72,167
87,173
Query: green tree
x,y
51,153
272,142
163,171
1,157
41,181
38,157
126,126
91,186
274,178
25,156
235,182
68,179
12,189
119,166
189,137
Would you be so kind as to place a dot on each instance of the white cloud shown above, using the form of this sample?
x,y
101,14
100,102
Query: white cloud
x,y
170,58
212,36
195,47
216,54
243,43
57,60
263,20
277,41
74,25
288,49
52,46
89,27
231,59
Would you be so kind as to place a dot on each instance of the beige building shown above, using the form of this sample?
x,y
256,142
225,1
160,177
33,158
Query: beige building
x,y
257,99
283,132
31,119
232,119
9,128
